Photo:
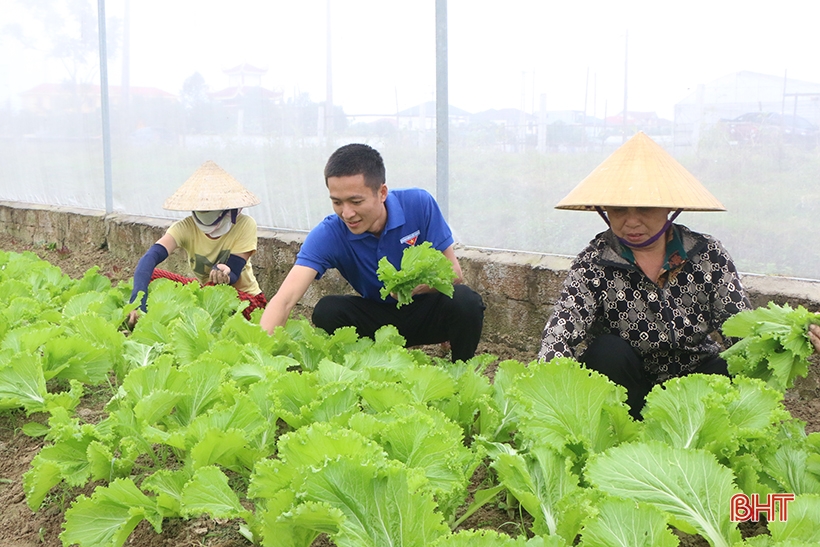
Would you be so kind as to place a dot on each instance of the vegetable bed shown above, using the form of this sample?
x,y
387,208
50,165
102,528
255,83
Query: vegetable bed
x,y
199,419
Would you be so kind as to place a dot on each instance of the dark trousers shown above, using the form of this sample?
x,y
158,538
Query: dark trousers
x,y
431,318
614,357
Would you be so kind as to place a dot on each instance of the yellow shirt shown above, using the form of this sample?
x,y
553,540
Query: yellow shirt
x,y
204,252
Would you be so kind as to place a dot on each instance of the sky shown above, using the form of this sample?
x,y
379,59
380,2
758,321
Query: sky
x,y
511,54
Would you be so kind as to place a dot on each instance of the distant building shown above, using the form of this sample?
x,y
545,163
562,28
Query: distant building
x,y
568,117
246,81
740,93
642,120
45,99
423,116
246,99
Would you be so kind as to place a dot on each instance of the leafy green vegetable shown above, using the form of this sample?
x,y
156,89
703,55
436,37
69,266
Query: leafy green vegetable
x,y
689,485
571,409
802,522
774,344
420,265
543,483
373,444
109,516
623,522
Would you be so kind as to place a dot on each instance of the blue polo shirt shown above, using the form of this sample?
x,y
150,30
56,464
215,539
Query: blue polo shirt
x,y
413,216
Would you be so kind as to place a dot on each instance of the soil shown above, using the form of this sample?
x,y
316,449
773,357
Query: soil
x,y
20,527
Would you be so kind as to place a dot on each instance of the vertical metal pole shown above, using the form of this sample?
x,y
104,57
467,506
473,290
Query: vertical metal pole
x,y
785,81
125,92
442,112
584,122
329,129
106,125
626,79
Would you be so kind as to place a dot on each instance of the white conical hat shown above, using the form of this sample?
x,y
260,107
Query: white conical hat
x,y
210,188
640,174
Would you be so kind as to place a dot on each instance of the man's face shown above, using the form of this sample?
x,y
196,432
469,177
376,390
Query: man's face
x,y
361,208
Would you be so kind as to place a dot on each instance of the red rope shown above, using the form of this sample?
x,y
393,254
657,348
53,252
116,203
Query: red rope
x,y
255,300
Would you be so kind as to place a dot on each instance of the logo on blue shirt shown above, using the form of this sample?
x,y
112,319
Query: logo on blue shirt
x,y
410,239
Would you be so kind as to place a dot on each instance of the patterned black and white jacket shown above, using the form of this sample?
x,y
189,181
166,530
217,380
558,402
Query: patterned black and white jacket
x,y
668,323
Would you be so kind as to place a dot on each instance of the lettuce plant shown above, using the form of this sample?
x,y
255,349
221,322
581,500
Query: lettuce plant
x,y
420,265
774,345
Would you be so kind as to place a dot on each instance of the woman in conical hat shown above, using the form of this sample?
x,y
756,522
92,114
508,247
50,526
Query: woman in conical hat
x,y
218,238
640,302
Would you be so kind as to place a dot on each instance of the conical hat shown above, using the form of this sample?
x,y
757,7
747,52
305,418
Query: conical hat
x,y
210,188
640,174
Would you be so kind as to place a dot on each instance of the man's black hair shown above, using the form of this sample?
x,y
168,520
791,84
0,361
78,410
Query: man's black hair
x,y
357,159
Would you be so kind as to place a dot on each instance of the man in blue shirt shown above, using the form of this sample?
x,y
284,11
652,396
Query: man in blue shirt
x,y
370,223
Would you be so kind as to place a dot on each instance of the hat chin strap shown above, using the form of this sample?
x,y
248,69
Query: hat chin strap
x,y
649,241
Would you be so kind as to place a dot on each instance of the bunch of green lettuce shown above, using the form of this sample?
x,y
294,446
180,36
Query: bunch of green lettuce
x,y
774,344
420,265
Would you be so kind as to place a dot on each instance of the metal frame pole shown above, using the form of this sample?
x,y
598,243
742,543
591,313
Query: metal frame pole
x,y
442,112
106,125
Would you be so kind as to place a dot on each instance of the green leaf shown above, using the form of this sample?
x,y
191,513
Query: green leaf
x,y
802,522
569,407
39,480
757,406
104,465
208,493
168,486
775,344
690,412
302,525
420,265
426,440
541,481
218,446
156,405
623,522
35,429
220,301
203,389
380,505
108,517
789,467
688,484
22,383
192,336
74,357
429,383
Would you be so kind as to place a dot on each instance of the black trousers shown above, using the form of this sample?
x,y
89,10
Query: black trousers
x,y
431,318
614,357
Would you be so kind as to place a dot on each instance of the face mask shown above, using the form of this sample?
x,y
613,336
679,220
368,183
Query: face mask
x,y
213,223
209,218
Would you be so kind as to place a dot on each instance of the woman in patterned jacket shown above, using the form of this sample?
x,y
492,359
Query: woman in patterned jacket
x,y
642,302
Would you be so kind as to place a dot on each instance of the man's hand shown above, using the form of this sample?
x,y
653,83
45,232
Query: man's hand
x,y
419,289
219,275
814,336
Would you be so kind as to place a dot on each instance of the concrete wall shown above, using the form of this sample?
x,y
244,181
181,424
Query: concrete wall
x,y
518,288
